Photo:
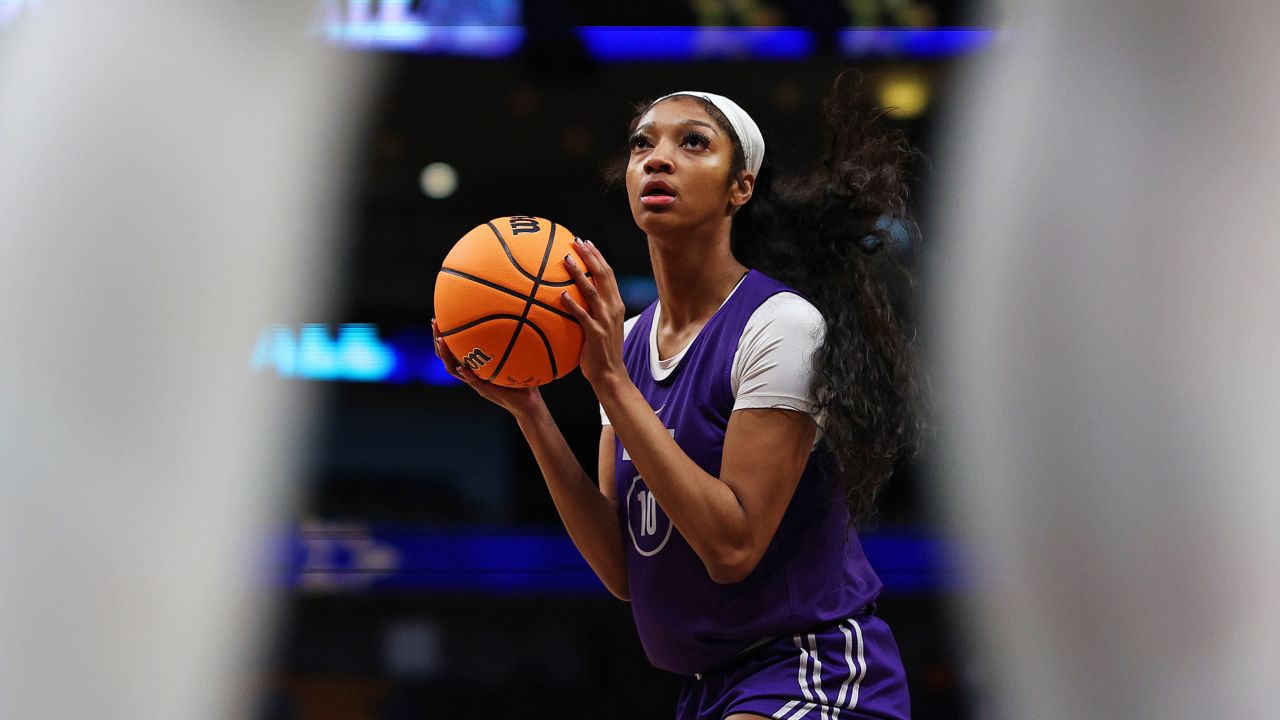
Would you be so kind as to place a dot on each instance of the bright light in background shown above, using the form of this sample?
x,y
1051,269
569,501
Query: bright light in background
x,y
446,28
438,180
689,43
356,353
449,27
493,29
904,95
357,557
914,42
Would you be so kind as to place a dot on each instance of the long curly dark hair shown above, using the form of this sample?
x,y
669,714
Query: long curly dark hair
x,y
826,232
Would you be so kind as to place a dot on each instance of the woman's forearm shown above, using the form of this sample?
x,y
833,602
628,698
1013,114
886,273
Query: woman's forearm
x,y
590,518
706,510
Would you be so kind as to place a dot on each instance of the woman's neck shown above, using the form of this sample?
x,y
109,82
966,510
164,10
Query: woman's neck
x,y
693,276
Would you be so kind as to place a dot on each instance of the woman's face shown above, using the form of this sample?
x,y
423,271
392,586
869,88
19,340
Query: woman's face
x,y
678,173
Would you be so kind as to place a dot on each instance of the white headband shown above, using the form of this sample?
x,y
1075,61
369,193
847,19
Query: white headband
x,y
746,129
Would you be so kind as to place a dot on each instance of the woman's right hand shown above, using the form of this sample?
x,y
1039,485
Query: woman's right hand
x,y
517,401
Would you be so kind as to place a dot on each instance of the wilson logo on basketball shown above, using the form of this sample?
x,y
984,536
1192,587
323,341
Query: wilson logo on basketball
x,y
521,224
475,359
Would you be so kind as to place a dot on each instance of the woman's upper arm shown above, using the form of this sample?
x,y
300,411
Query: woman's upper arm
x,y
771,430
606,463
765,453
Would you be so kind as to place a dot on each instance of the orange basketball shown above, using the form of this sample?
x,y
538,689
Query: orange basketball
x,y
498,306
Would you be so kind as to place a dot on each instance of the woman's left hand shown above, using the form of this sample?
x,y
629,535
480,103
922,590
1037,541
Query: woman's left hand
x,y
603,317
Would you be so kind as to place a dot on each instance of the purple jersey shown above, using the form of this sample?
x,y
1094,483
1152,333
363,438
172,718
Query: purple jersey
x,y
813,572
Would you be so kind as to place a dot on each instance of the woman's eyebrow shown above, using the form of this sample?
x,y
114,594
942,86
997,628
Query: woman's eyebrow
x,y
709,126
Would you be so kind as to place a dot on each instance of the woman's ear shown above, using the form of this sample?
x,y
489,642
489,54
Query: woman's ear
x,y
741,192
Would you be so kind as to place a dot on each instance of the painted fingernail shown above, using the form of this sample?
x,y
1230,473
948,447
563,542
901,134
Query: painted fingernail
x,y
591,243
568,259
578,240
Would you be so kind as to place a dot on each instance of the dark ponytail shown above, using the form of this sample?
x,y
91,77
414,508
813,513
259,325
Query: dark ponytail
x,y
827,234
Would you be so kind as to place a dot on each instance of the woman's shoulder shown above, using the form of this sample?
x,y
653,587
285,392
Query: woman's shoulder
x,y
773,283
787,310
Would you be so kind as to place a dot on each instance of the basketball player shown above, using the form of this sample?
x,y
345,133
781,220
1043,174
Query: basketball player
x,y
749,414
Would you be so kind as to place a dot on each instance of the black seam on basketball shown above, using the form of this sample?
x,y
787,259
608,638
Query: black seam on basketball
x,y
507,290
506,249
520,269
551,355
566,283
546,253
473,323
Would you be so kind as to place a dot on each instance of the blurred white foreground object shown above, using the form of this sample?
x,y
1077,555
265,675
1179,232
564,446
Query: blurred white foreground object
x,y
167,186
1109,308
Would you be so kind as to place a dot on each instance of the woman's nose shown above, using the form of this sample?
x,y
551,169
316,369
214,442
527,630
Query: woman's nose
x,y
658,160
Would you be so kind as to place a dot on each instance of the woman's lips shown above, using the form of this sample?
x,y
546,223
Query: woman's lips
x,y
657,199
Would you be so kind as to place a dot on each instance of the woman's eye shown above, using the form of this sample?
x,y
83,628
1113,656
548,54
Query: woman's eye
x,y
697,139
638,141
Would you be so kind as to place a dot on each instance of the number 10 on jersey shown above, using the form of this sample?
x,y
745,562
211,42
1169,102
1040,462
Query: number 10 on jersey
x,y
648,513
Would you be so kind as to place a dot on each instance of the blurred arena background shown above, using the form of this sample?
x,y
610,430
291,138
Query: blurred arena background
x,y
427,573
430,573
220,227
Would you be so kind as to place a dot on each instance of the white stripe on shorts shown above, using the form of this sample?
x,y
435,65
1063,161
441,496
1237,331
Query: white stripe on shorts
x,y
785,709
862,663
804,710
856,672
803,676
823,709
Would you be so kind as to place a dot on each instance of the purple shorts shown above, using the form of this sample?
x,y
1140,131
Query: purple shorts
x,y
847,670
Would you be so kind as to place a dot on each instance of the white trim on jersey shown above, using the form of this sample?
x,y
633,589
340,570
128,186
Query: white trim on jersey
x,y
772,366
